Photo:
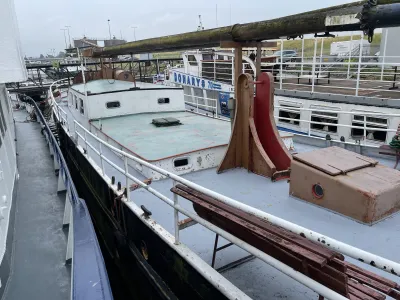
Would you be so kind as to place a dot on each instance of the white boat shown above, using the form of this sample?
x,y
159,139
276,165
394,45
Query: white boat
x,y
331,109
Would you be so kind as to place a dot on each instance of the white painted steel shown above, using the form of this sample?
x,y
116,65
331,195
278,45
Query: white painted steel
x,y
350,50
176,216
346,249
359,64
314,64
384,53
315,286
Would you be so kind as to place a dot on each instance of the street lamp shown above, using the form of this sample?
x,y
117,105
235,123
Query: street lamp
x,y
69,37
134,31
65,37
109,28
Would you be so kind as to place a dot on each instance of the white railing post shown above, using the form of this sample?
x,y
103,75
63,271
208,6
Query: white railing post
x,y
320,58
365,129
309,125
302,57
359,63
350,50
216,108
313,64
75,132
86,146
281,71
215,70
176,216
384,53
127,178
101,159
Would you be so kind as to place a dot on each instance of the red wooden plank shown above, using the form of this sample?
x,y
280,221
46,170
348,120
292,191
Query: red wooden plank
x,y
282,233
366,290
368,281
238,222
371,275
359,294
273,250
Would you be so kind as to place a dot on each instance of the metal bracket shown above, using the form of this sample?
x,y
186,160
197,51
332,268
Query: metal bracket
x,y
367,25
293,37
326,34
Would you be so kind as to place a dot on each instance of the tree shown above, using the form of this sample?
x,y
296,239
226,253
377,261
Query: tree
x,y
41,56
61,54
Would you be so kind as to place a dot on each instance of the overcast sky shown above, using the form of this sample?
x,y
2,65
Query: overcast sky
x,y
40,21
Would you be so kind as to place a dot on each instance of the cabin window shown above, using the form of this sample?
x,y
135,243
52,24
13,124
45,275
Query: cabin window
x,y
113,104
76,102
327,121
181,162
370,122
82,109
3,124
207,57
192,60
163,100
291,112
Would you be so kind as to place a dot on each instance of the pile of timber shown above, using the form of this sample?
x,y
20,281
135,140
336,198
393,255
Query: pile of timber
x,y
314,260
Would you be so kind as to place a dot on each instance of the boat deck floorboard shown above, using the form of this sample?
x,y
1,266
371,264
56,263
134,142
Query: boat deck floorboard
x,y
38,263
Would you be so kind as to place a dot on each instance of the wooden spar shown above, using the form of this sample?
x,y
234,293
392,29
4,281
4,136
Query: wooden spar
x,y
336,18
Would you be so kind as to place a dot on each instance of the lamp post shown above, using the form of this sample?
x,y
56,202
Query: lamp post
x,y
69,37
134,31
65,37
109,28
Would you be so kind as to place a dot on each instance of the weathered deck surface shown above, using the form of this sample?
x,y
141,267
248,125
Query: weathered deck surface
x,y
153,143
38,267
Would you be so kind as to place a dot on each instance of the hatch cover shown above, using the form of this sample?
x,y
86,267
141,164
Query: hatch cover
x,y
335,161
165,122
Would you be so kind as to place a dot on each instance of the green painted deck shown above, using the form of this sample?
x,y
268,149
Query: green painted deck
x,y
111,85
136,133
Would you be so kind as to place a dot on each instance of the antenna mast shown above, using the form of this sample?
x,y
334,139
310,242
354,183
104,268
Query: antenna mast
x,y
200,27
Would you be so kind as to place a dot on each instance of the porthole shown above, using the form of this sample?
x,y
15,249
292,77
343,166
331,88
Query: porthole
x,y
318,191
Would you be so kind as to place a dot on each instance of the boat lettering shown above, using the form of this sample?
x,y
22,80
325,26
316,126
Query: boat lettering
x,y
196,81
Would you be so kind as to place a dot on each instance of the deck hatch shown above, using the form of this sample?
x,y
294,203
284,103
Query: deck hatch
x,y
335,161
166,122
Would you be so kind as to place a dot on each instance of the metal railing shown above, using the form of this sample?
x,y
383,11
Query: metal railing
x,y
365,124
90,267
354,73
199,106
81,133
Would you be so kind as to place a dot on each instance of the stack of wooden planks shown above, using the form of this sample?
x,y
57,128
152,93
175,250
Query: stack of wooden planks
x,y
314,260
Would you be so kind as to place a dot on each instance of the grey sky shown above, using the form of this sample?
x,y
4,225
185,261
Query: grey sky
x,y
40,21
